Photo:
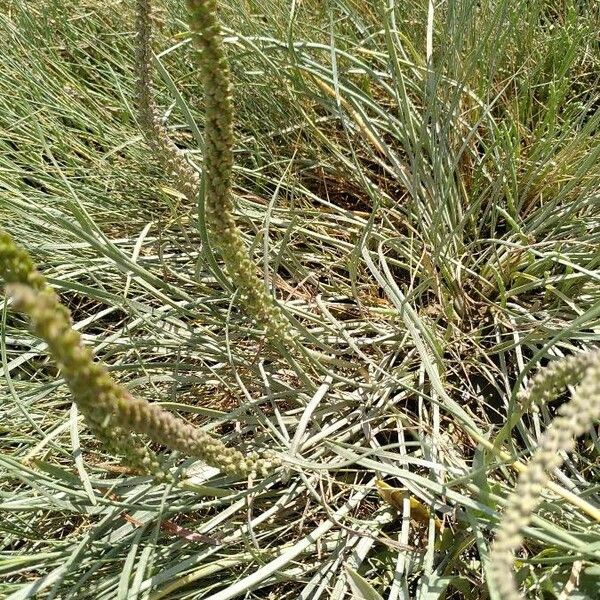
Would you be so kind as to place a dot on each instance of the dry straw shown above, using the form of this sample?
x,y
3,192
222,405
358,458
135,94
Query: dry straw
x,y
574,419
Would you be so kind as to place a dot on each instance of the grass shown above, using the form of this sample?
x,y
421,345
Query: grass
x,y
419,184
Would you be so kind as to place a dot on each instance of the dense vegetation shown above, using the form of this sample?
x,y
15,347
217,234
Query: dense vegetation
x,y
418,187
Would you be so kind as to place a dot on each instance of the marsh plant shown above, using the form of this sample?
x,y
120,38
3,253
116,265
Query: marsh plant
x,y
419,181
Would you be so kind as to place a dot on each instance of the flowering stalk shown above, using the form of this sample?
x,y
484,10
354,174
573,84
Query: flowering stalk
x,y
173,159
545,385
218,165
218,157
574,419
548,382
109,408
18,270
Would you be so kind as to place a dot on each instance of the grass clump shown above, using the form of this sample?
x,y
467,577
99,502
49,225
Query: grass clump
x,y
415,185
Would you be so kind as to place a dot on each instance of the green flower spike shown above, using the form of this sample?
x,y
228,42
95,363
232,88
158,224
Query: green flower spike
x,y
185,177
218,158
218,165
545,385
573,420
109,408
18,270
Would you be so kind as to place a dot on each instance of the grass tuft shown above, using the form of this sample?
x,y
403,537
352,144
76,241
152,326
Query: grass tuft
x,y
416,185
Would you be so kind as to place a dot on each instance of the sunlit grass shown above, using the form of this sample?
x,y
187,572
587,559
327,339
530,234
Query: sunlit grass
x,y
419,185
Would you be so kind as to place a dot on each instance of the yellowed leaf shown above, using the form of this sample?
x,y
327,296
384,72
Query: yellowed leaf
x,y
395,497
